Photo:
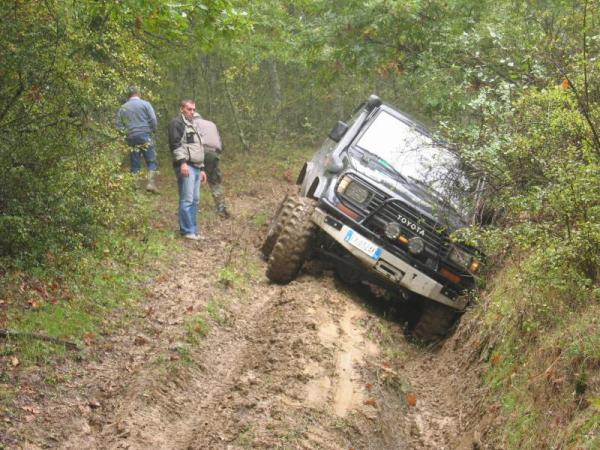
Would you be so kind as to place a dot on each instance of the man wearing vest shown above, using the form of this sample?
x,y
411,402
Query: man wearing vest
x,y
136,117
188,160
213,146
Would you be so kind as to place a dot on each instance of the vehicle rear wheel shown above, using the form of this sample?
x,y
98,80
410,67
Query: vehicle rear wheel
x,y
293,243
435,321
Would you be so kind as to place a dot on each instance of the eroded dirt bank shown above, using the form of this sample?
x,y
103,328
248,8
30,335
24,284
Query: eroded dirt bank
x,y
218,358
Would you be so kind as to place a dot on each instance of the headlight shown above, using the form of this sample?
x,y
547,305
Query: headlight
x,y
464,259
353,190
392,230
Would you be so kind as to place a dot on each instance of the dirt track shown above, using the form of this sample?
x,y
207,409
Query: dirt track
x,y
218,358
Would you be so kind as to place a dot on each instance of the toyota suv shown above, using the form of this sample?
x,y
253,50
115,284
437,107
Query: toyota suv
x,y
381,199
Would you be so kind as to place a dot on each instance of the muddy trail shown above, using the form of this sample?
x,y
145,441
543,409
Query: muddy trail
x,y
216,357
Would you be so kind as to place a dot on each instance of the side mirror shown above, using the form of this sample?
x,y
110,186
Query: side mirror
x,y
338,131
373,102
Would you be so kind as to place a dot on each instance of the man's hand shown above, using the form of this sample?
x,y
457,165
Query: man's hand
x,y
184,169
203,177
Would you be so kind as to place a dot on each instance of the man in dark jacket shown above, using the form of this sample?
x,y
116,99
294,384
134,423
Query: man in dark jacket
x,y
137,119
188,160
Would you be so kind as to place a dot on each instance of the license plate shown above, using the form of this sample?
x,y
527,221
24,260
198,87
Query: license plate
x,y
363,244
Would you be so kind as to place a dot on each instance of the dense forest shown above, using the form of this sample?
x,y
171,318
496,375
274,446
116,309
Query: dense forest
x,y
514,85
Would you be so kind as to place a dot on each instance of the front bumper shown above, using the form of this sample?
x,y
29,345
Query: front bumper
x,y
388,265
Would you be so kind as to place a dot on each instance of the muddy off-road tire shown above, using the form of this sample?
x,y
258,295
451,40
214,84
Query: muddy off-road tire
x,y
435,322
283,213
293,244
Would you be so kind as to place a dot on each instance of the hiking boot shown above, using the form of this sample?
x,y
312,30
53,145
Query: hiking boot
x,y
191,237
222,211
151,185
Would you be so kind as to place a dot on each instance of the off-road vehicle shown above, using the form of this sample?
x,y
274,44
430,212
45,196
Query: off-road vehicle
x,y
380,199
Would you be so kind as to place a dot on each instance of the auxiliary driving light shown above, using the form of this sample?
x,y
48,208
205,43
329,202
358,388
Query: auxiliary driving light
x,y
416,245
392,230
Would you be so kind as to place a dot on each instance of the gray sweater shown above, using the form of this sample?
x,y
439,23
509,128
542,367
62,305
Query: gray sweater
x,y
136,116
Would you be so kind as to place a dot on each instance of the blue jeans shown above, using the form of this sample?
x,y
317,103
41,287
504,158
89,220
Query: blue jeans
x,y
142,145
189,200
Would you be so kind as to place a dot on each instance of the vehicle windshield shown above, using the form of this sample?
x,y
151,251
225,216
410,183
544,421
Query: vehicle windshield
x,y
417,157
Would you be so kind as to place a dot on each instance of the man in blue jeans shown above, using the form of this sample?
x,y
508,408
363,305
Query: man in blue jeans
x,y
137,119
188,160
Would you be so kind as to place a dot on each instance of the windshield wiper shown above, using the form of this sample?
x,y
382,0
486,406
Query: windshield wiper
x,y
371,158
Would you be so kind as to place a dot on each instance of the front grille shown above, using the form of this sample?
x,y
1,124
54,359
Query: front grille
x,y
412,223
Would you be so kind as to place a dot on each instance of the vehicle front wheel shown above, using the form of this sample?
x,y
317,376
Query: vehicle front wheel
x,y
294,241
283,213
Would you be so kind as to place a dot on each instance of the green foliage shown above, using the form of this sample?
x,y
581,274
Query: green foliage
x,y
65,66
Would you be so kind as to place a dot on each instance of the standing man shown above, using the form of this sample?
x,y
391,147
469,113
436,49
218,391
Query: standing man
x,y
213,146
188,160
137,119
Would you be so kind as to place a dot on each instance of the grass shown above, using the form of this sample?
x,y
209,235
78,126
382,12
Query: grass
x,y
544,362
246,438
217,312
281,161
261,219
196,327
91,287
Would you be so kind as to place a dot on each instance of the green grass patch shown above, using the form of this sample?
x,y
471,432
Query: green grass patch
x,y
543,353
246,438
261,218
230,277
196,328
217,311
72,296
280,161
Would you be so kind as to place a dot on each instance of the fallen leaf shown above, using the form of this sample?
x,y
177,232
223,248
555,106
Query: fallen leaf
x,y
288,176
33,303
30,409
496,359
369,387
140,340
190,309
89,338
411,399
42,290
93,403
371,402
14,361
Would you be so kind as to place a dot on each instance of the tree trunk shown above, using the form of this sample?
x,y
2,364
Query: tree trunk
x,y
234,114
278,98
